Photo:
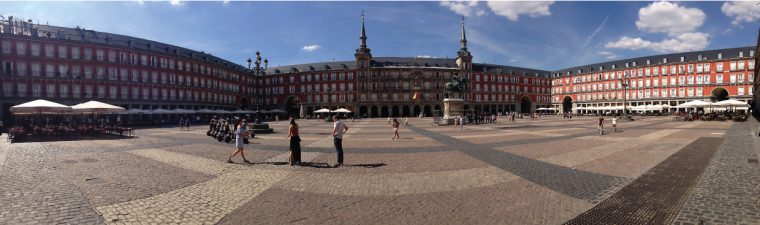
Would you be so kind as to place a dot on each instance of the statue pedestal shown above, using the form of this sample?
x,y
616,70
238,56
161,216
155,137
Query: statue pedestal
x,y
453,108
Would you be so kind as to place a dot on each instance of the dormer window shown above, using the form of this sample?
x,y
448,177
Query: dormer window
x,y
720,55
741,54
751,53
648,62
699,57
682,58
664,60
626,65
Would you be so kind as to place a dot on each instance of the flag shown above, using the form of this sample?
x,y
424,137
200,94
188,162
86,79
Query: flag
x,y
414,97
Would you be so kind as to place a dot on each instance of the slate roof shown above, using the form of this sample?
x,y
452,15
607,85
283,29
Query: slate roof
x,y
78,34
395,62
707,55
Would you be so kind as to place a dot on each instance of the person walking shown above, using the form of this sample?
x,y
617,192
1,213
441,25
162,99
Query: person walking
x,y
395,126
295,144
461,122
601,125
406,121
614,124
239,135
339,128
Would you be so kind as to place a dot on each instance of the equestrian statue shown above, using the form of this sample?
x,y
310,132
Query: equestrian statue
x,y
456,84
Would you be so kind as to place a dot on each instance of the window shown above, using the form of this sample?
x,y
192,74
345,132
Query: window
x,y
20,68
718,67
101,92
6,47
100,55
112,73
62,52
699,92
36,69
64,91
74,52
36,90
707,79
76,71
740,90
123,73
740,64
49,70
50,92
76,91
100,73
732,79
21,90
719,78
112,92
732,65
49,50
35,49
63,70
111,56
20,48
87,54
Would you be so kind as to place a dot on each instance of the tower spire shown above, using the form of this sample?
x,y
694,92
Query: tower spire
x,y
463,41
363,37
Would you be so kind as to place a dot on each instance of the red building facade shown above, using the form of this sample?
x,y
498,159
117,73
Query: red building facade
x,y
73,65
656,80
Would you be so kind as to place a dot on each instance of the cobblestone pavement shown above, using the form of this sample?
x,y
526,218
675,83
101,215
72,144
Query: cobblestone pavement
x,y
729,191
543,171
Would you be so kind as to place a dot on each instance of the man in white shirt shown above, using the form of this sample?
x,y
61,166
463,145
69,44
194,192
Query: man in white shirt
x,y
339,128
614,124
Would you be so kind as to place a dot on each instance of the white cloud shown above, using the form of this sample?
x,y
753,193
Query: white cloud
x,y
425,56
464,8
607,55
141,2
513,10
677,22
175,2
741,11
311,48
225,2
681,43
669,18
512,60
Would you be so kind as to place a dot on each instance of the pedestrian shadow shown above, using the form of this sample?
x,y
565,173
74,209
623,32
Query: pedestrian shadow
x,y
316,165
368,165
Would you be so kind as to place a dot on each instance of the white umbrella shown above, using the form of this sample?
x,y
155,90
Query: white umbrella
x,y
731,102
694,104
96,107
342,110
135,111
222,111
322,110
39,106
277,111
182,111
240,111
161,111
204,111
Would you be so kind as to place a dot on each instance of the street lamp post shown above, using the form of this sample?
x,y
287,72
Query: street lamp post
x,y
624,83
258,70
327,92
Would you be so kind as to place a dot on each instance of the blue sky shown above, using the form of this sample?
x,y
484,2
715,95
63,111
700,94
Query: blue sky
x,y
540,35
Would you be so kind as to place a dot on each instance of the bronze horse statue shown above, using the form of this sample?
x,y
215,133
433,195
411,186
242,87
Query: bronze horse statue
x,y
455,85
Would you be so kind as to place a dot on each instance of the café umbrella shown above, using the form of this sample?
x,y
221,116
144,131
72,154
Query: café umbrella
x,y
96,107
39,106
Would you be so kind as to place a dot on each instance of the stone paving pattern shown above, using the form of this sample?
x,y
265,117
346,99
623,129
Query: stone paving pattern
x,y
544,171
729,191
